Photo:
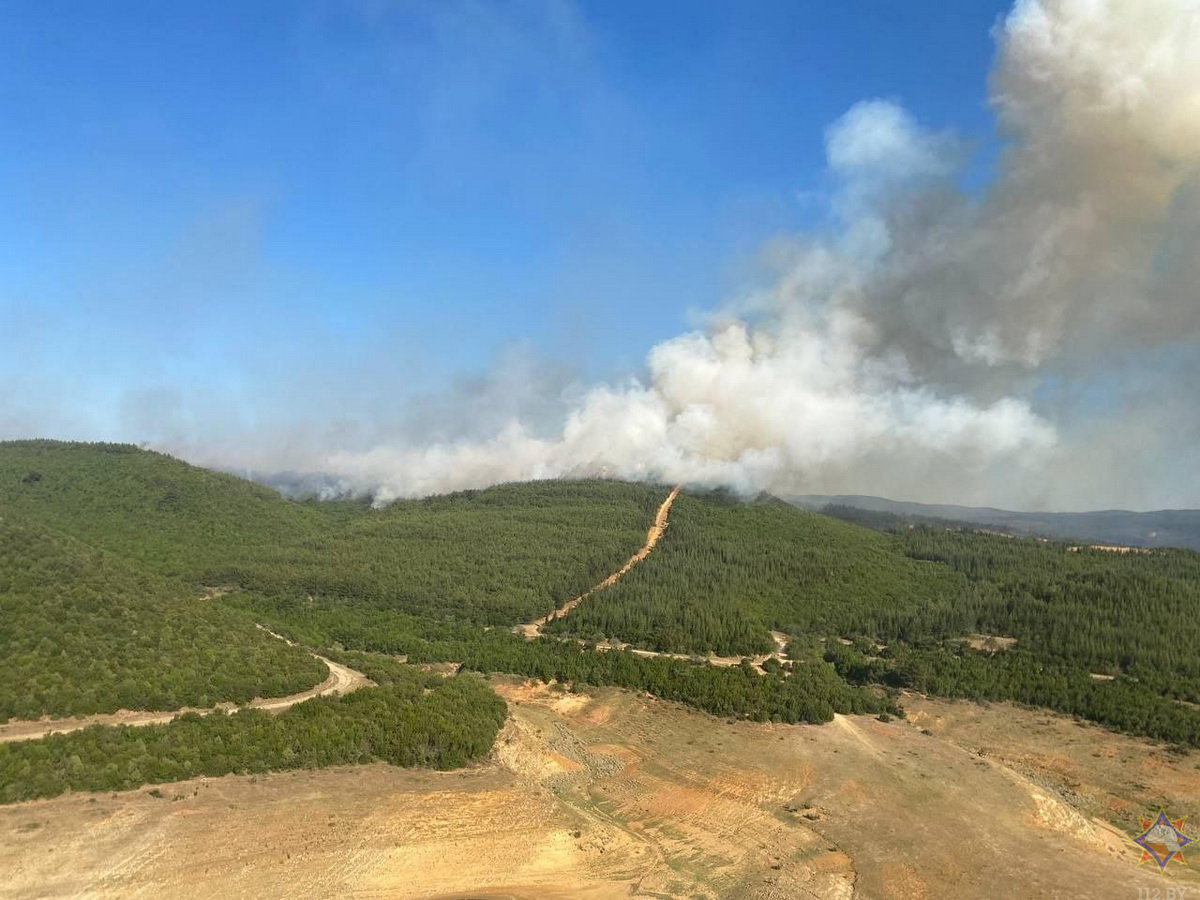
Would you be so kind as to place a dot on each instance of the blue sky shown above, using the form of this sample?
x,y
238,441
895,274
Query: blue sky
x,y
273,212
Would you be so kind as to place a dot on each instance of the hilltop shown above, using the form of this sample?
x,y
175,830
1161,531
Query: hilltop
x,y
148,507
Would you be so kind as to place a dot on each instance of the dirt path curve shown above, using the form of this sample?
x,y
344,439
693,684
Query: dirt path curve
x,y
756,662
341,680
534,629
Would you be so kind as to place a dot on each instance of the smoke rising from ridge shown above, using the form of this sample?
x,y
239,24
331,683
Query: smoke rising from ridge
x,y
931,342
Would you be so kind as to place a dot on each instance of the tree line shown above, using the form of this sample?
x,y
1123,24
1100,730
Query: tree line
x,y
410,719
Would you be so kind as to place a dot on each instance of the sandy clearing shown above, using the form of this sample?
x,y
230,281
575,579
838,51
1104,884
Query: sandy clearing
x,y
610,795
1102,775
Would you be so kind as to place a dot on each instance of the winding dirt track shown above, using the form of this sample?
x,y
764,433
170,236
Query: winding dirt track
x,y
341,680
533,629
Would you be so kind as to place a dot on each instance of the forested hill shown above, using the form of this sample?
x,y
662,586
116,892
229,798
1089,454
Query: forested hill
x,y
146,506
498,556
109,555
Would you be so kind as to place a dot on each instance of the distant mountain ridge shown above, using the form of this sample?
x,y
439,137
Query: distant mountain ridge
x,y
1158,528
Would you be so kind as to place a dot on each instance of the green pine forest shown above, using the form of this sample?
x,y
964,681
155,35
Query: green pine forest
x,y
83,632
129,579
727,572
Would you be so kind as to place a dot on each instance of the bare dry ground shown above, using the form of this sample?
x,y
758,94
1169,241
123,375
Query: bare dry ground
x,y
1112,778
615,796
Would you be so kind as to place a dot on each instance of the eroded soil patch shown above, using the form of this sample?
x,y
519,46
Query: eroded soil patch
x,y
612,795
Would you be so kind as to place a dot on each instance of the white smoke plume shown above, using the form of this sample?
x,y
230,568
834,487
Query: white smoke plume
x,y
906,349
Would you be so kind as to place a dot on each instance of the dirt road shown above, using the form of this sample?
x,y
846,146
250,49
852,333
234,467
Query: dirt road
x,y
534,629
723,662
531,630
341,680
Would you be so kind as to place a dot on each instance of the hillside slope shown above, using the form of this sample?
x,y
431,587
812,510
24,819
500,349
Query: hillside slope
x,y
168,516
104,549
497,556
727,573
83,632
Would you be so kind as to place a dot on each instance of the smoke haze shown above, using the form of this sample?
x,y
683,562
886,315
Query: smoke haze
x,y
1030,343
931,342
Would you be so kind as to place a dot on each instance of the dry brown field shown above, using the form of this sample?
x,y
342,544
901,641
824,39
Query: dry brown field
x,y
611,795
